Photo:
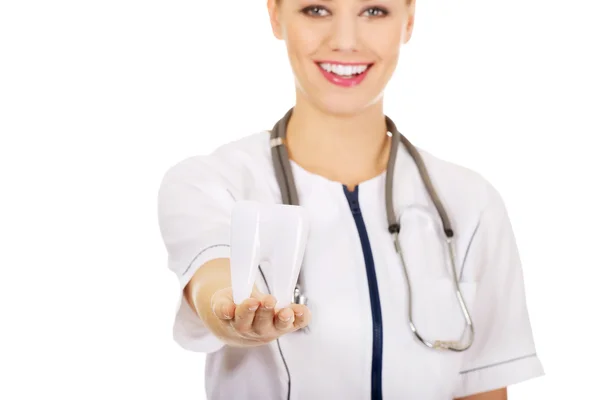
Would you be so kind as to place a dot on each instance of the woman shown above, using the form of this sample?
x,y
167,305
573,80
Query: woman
x,y
358,344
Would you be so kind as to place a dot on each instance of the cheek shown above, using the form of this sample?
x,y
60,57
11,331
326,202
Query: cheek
x,y
302,41
385,38
387,48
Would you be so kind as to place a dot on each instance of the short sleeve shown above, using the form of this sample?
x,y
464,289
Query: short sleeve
x,y
194,209
503,352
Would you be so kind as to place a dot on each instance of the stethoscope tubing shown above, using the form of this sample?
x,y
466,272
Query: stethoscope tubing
x,y
285,179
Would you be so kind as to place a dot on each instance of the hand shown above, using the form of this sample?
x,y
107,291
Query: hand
x,y
255,321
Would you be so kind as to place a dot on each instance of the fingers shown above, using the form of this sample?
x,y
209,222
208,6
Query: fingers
x,y
301,315
244,316
263,319
284,320
256,318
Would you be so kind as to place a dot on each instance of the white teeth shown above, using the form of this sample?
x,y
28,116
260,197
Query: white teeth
x,y
344,70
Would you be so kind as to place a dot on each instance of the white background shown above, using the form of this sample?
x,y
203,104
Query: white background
x,y
99,98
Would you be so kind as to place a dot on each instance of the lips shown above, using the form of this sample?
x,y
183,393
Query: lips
x,y
344,74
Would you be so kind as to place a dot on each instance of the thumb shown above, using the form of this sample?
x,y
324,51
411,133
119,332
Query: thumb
x,y
222,304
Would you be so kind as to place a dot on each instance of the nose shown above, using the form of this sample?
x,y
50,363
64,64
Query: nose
x,y
344,33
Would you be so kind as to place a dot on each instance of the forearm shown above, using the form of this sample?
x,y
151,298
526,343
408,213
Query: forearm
x,y
213,276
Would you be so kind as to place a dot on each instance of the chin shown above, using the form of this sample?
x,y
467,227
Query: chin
x,y
343,105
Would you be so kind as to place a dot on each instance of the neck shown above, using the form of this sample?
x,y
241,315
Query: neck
x,y
347,149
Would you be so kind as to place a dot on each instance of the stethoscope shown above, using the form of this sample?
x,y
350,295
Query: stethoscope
x,y
285,179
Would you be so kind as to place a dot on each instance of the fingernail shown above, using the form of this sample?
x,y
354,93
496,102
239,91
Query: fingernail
x,y
253,308
299,314
284,319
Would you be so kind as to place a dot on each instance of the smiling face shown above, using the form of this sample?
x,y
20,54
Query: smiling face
x,y
342,52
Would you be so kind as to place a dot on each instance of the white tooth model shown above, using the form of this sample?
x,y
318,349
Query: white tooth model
x,y
261,234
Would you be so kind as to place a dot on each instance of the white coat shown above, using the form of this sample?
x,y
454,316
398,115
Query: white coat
x,y
359,344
